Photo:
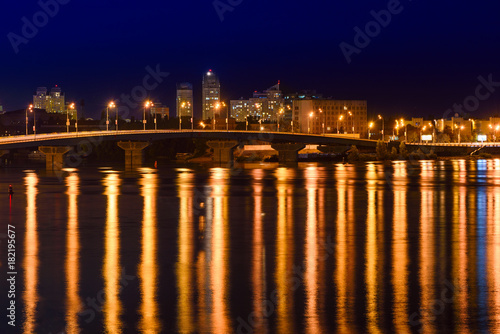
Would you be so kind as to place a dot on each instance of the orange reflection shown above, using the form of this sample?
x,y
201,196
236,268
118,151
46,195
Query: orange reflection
x,y
31,262
427,254
342,280
73,301
371,274
284,251
111,268
313,262
258,256
400,255
493,257
219,251
460,263
185,318
148,267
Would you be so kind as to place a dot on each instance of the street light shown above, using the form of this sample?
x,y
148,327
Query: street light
x,y
369,129
147,104
406,127
72,107
183,105
383,127
324,119
202,125
308,125
217,106
421,132
67,117
30,108
246,123
34,120
352,121
112,105
279,114
340,118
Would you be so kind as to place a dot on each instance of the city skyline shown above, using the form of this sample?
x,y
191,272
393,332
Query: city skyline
x,y
424,60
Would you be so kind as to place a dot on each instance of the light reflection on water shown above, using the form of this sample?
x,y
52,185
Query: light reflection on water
x,y
372,248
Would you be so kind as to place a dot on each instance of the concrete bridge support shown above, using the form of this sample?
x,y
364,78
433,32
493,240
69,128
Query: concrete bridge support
x,y
223,150
133,153
54,156
288,152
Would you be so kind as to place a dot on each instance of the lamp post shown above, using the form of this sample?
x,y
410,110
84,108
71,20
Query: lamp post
x,y
34,121
217,106
107,117
421,133
383,127
72,107
324,120
227,116
30,108
67,119
308,122
340,119
406,127
279,114
352,121
147,104
112,105
246,123
192,116
183,105
369,129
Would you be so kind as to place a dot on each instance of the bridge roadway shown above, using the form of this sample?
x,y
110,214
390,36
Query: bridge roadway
x,y
94,137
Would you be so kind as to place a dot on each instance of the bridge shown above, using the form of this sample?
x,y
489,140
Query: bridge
x,y
55,145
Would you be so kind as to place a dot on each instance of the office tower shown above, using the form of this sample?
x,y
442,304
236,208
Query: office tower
x,y
52,102
210,95
184,100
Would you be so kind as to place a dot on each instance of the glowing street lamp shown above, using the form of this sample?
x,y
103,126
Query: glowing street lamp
x,y
71,106
217,106
324,119
352,121
383,127
340,119
147,104
280,113
30,108
202,125
308,121
183,105
369,129
110,105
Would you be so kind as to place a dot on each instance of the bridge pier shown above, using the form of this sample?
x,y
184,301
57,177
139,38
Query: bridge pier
x,y
54,156
223,150
288,152
133,153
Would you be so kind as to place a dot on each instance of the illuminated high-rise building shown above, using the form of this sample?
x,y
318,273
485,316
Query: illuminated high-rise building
x,y
210,94
52,102
184,100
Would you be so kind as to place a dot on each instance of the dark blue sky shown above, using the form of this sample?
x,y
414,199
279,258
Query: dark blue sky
x,y
427,58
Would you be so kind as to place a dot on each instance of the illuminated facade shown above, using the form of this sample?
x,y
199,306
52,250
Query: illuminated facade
x,y
52,102
263,105
160,109
210,94
330,116
184,100
240,109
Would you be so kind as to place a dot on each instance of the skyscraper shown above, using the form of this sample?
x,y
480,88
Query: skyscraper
x,y
184,101
52,103
211,94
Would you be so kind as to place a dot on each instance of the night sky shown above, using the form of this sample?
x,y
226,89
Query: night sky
x,y
426,59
